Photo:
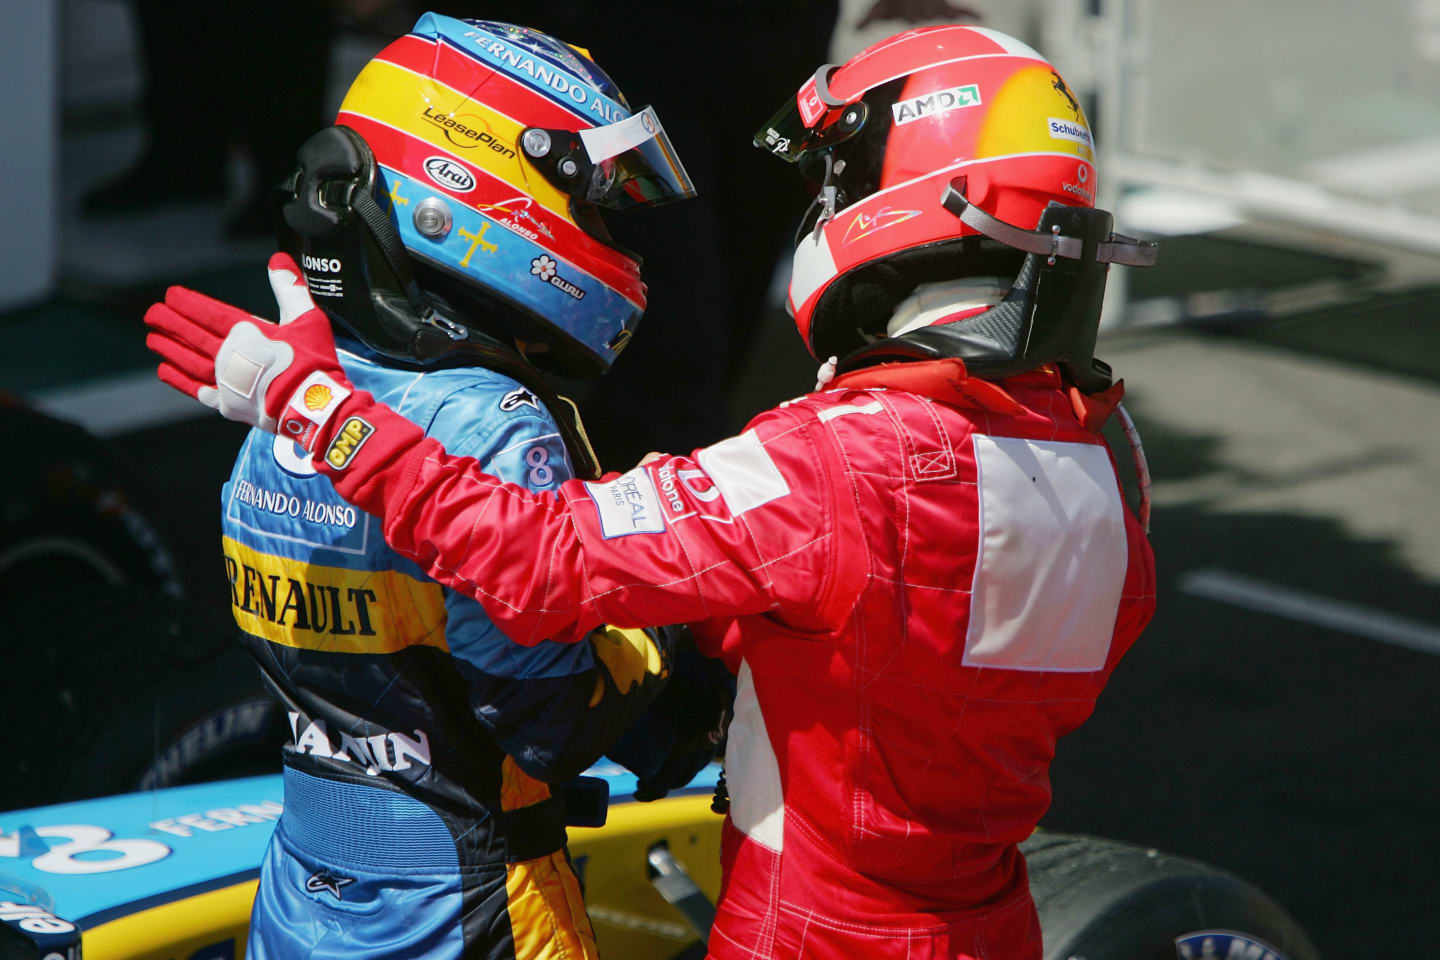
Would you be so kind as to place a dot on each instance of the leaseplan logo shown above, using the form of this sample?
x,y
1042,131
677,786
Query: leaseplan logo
x,y
934,104
865,224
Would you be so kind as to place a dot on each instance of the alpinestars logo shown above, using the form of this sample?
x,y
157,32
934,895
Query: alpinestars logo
x,y
548,271
517,398
327,881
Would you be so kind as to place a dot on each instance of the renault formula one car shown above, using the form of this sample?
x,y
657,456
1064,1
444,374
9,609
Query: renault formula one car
x,y
170,875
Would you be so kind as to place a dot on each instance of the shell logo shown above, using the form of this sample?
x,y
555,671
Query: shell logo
x,y
316,396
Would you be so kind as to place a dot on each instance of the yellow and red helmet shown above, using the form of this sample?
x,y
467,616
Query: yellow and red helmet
x,y
887,135
488,150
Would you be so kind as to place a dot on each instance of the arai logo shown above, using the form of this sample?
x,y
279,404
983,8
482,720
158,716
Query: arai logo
x,y
449,174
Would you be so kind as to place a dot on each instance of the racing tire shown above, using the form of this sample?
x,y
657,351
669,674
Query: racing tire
x,y
133,685
1106,900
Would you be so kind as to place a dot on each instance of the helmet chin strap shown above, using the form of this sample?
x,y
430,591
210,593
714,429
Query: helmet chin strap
x,y
1051,313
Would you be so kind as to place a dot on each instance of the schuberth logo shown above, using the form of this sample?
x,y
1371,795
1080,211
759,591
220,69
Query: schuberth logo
x,y
463,135
347,442
1069,130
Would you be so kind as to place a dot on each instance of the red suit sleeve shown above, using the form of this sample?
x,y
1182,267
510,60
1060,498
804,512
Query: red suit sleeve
x,y
754,524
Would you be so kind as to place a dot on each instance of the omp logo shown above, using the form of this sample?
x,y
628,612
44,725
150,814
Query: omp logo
x,y
934,104
463,135
317,396
376,752
352,436
449,174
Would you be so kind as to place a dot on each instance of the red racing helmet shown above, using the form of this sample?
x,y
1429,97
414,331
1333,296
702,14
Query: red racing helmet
x,y
941,153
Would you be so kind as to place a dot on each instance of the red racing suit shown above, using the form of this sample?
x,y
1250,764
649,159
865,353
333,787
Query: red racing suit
x,y
923,579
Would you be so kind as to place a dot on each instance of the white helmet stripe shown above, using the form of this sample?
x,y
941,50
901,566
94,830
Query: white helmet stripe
x,y
813,267
1008,43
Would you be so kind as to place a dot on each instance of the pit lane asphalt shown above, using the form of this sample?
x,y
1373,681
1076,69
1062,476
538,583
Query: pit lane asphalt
x,y
1296,750
1298,754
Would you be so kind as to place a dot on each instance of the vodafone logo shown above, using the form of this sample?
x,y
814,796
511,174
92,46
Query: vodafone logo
x,y
699,484
808,100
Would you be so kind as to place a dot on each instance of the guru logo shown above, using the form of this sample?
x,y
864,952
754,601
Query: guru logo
x,y
547,270
449,174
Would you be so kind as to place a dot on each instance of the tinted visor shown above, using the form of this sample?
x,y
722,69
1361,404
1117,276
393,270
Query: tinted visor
x,y
634,164
790,136
620,165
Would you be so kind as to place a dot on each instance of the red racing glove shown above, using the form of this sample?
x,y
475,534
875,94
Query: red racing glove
x,y
282,378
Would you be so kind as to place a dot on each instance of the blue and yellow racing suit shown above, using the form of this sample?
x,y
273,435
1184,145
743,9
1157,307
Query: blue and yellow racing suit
x,y
421,814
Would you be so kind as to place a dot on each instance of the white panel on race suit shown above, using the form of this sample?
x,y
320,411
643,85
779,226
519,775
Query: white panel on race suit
x,y
1052,556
